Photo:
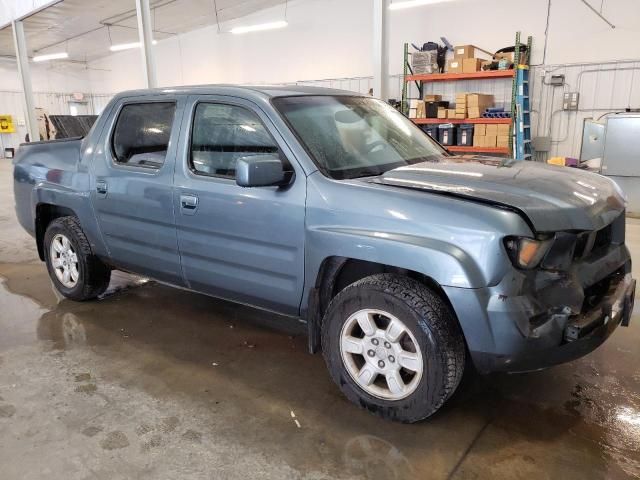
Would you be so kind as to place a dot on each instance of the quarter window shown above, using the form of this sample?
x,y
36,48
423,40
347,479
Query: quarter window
x,y
142,132
224,133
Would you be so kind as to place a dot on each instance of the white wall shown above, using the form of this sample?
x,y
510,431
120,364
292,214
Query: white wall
x,y
332,39
52,84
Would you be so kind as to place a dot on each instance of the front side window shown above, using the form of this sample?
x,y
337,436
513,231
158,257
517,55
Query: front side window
x,y
224,133
351,137
142,132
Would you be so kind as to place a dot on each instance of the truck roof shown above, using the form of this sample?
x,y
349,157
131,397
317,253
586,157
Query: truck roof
x,y
269,91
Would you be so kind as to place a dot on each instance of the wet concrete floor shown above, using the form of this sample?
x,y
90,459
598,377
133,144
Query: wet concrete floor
x,y
152,382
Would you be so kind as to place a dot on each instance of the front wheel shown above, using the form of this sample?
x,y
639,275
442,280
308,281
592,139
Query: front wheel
x,y
75,271
393,346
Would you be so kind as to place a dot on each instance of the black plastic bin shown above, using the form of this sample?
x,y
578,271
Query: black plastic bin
x,y
447,134
431,108
431,130
465,135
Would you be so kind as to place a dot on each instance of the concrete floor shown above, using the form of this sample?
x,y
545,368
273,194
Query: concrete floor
x,y
157,383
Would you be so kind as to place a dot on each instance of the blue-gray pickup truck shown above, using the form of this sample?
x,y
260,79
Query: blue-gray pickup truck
x,y
407,263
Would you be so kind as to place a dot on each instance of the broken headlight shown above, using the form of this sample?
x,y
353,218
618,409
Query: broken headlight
x,y
527,253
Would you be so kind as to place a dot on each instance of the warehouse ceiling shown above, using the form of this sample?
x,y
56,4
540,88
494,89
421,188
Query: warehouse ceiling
x,y
86,29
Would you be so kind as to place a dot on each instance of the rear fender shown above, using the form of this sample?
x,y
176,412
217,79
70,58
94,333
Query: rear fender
x,y
66,199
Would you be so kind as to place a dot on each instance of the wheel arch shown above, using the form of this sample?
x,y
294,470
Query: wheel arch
x,y
45,214
336,273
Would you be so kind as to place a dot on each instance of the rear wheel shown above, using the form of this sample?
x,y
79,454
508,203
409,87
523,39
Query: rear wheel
x,y
75,271
393,347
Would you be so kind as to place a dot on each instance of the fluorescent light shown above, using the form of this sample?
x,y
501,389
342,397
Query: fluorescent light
x,y
50,56
413,3
259,27
127,46
124,46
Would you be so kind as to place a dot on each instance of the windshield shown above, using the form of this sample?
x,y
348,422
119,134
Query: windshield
x,y
351,137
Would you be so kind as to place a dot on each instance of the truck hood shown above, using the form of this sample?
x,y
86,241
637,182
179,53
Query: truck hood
x,y
550,198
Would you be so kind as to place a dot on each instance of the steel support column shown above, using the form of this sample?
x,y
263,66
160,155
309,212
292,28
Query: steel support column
x,y
24,73
380,50
145,33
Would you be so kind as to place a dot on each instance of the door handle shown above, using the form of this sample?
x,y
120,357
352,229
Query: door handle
x,y
101,187
189,203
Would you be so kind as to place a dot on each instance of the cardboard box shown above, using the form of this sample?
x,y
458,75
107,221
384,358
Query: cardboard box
x,y
471,65
442,112
502,141
420,110
432,98
461,108
454,66
464,51
451,113
480,130
492,130
479,100
461,115
503,130
475,112
490,140
478,140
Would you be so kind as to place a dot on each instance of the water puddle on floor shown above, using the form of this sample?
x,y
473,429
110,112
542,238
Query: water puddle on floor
x,y
246,376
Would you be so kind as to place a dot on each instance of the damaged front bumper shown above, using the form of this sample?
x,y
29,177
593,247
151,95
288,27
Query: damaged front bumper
x,y
534,320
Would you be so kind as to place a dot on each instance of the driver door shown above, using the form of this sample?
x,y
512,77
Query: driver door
x,y
242,244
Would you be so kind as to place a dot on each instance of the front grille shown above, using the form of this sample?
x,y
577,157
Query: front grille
x,y
591,243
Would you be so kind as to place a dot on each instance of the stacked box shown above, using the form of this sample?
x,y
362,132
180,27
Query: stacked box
x,y
471,65
477,103
461,105
432,98
454,66
503,139
464,51
491,138
442,112
413,107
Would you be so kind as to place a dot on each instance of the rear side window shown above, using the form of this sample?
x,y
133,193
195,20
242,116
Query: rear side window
x,y
224,133
142,132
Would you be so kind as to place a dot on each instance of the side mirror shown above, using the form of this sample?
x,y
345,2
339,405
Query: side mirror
x,y
260,171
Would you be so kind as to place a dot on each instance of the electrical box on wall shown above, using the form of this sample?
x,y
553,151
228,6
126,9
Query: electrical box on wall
x,y
556,80
570,101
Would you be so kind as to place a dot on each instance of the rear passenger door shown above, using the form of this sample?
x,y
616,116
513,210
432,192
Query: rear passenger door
x,y
132,186
243,244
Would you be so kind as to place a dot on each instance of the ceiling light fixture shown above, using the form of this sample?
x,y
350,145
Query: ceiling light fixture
x,y
413,3
127,46
50,56
260,27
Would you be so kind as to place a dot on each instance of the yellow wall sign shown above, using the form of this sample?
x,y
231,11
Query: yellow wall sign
x,y
6,124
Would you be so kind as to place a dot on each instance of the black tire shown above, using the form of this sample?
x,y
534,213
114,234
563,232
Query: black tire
x,y
94,275
431,322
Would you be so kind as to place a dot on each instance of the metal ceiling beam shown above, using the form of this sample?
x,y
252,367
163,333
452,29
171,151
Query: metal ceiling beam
x,y
31,13
380,50
24,73
146,38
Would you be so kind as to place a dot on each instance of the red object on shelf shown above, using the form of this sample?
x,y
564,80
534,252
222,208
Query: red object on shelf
x,y
494,121
443,77
454,148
